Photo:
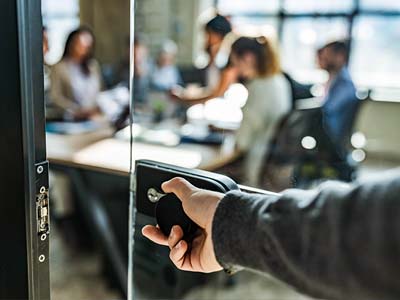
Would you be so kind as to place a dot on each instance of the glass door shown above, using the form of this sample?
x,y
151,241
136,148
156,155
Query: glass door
x,y
182,116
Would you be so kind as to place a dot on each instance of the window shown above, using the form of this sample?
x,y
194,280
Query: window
x,y
373,27
60,17
255,26
303,36
229,7
375,55
318,6
381,5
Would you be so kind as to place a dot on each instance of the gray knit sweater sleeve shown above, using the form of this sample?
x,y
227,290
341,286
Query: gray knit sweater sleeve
x,y
340,242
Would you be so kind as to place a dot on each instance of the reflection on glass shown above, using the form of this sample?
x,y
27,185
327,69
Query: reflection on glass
x,y
191,123
374,41
184,116
300,41
295,6
247,6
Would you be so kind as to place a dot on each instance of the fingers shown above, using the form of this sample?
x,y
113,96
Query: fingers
x,y
155,235
175,236
182,188
178,255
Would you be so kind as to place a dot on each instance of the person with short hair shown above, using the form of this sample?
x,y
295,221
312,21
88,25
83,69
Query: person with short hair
x,y
340,100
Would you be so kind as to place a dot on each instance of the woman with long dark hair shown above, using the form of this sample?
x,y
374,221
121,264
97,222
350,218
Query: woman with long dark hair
x,y
76,79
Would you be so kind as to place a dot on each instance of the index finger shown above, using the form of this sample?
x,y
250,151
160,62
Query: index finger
x,y
182,188
155,235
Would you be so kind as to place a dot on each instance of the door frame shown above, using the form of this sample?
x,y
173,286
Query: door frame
x,y
24,251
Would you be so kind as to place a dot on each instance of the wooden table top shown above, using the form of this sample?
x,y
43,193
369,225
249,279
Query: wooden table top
x,y
99,151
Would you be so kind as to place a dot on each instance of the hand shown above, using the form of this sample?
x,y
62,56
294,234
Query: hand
x,y
200,206
176,94
85,114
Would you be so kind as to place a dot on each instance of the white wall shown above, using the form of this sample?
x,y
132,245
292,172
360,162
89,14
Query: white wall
x,y
380,123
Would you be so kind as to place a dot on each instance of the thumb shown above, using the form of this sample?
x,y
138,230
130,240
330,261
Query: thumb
x,y
182,188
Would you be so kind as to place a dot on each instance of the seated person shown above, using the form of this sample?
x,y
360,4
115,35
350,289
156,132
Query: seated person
x,y
165,74
220,74
76,78
340,101
269,100
142,66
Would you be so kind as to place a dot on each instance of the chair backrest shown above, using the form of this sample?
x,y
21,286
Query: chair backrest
x,y
349,130
300,126
299,90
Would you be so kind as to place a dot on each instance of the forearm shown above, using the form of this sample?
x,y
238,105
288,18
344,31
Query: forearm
x,y
337,243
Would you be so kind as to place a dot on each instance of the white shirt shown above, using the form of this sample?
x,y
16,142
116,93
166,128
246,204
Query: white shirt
x,y
269,100
165,78
85,87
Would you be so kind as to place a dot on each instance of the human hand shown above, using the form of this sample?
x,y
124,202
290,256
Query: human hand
x,y
177,94
197,255
85,114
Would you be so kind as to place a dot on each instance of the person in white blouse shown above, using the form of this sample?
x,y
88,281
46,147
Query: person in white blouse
x,y
165,74
268,102
76,78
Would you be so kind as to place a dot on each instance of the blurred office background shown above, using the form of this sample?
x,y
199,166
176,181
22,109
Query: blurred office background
x,y
90,158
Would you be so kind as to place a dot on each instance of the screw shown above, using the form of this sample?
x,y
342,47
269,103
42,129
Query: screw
x,y
43,237
39,170
42,190
42,258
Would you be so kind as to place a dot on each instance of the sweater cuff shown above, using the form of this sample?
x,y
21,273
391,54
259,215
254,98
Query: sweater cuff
x,y
234,228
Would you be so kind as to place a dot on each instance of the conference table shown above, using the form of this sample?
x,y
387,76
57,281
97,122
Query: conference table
x,y
100,151
99,166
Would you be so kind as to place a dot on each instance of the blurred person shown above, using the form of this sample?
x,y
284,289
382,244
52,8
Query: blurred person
x,y
220,73
142,66
76,78
165,74
269,100
335,242
215,30
340,101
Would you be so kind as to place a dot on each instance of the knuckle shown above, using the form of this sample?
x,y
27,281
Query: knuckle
x,y
179,181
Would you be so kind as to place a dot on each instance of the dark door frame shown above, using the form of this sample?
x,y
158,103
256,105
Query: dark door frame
x,y
24,246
